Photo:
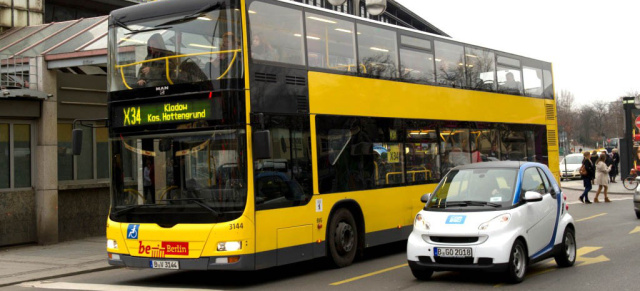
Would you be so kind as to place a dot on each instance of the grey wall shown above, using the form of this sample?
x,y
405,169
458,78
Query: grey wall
x,y
82,213
81,96
17,217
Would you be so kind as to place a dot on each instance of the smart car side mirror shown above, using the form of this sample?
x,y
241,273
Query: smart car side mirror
x,y
425,198
531,196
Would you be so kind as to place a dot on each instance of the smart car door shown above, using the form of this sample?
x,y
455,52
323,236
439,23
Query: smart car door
x,y
549,207
538,213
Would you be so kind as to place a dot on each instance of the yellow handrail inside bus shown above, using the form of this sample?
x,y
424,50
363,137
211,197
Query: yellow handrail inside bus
x,y
165,191
412,173
134,192
167,58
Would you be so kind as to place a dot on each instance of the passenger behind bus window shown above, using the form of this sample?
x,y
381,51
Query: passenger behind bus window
x,y
262,50
219,63
511,82
154,73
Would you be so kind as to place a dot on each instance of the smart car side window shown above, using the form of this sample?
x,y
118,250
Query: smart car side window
x,y
545,180
531,181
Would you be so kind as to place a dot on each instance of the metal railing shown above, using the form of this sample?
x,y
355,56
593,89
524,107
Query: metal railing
x,y
18,72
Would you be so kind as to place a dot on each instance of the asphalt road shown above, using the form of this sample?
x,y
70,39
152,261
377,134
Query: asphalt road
x,y
607,260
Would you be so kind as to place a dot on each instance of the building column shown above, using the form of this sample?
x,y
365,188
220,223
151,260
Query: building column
x,y
47,158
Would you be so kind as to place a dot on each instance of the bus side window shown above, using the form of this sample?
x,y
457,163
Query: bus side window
x,y
285,179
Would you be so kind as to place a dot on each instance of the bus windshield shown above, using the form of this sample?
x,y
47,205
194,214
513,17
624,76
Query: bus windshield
x,y
189,48
179,178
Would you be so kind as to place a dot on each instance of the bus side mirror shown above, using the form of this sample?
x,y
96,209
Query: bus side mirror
x,y
77,141
262,145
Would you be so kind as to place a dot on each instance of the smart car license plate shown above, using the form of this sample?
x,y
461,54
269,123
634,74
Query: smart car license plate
x,y
174,265
453,252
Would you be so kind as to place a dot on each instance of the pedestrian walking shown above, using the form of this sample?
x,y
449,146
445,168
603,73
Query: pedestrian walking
x,y
609,162
594,159
587,177
614,170
602,177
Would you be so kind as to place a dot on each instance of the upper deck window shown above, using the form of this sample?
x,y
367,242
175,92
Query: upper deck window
x,y
176,49
330,43
532,81
450,64
548,84
417,43
481,69
509,76
377,51
276,34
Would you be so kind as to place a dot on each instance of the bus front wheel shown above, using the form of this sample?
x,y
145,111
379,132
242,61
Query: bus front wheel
x,y
343,238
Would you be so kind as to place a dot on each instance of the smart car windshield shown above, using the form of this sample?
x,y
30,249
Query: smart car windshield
x,y
478,189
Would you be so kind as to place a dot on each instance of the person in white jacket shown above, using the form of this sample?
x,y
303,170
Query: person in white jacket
x,y
602,177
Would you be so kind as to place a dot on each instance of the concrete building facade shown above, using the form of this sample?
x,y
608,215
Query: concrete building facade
x,y
52,74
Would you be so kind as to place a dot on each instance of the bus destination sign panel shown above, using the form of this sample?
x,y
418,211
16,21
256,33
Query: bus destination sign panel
x,y
163,112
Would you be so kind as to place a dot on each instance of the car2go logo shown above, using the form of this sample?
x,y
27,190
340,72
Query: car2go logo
x,y
165,248
456,219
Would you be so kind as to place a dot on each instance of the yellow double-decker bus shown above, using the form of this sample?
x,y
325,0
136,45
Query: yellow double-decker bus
x,y
247,134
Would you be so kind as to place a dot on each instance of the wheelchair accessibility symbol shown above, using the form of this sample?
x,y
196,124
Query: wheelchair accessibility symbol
x,y
132,231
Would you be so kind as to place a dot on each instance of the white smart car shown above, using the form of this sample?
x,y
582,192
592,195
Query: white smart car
x,y
495,216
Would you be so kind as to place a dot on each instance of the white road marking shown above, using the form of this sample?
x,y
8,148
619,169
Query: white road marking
x,y
99,287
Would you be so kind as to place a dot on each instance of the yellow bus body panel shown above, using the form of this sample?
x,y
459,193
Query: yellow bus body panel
x,y
347,95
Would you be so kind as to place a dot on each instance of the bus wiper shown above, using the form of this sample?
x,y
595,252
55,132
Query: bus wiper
x,y
472,203
118,23
147,30
132,207
197,201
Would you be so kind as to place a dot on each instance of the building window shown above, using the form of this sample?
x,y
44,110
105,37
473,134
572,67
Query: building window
x,y
92,163
15,155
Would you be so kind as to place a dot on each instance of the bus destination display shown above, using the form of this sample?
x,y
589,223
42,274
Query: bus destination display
x,y
164,112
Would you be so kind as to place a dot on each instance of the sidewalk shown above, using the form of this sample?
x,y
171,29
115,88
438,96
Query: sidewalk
x,y
29,263
614,188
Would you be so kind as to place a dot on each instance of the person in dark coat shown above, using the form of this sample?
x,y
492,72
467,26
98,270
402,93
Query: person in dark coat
x,y
588,178
614,170
608,161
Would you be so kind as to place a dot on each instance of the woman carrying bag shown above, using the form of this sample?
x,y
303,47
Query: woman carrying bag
x,y
587,172
602,177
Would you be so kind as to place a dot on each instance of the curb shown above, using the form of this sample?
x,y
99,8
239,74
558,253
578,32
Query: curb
x,y
60,275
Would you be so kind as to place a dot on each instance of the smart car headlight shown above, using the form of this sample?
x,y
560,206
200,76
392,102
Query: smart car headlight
x,y
496,223
421,223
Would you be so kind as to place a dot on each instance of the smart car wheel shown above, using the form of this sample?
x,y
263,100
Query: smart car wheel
x,y
638,214
343,238
566,257
422,274
517,263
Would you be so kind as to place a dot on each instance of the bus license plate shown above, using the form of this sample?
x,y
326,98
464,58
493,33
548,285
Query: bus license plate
x,y
174,265
453,252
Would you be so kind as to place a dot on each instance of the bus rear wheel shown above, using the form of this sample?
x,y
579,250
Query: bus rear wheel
x,y
343,238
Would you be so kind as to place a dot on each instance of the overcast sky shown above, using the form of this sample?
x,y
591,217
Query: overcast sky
x,y
594,45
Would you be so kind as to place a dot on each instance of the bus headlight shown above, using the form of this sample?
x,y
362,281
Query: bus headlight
x,y
229,246
421,223
496,223
112,244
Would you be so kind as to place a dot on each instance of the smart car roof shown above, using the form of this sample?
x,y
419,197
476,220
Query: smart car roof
x,y
491,165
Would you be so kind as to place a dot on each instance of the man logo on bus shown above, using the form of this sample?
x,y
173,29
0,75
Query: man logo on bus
x,y
132,231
